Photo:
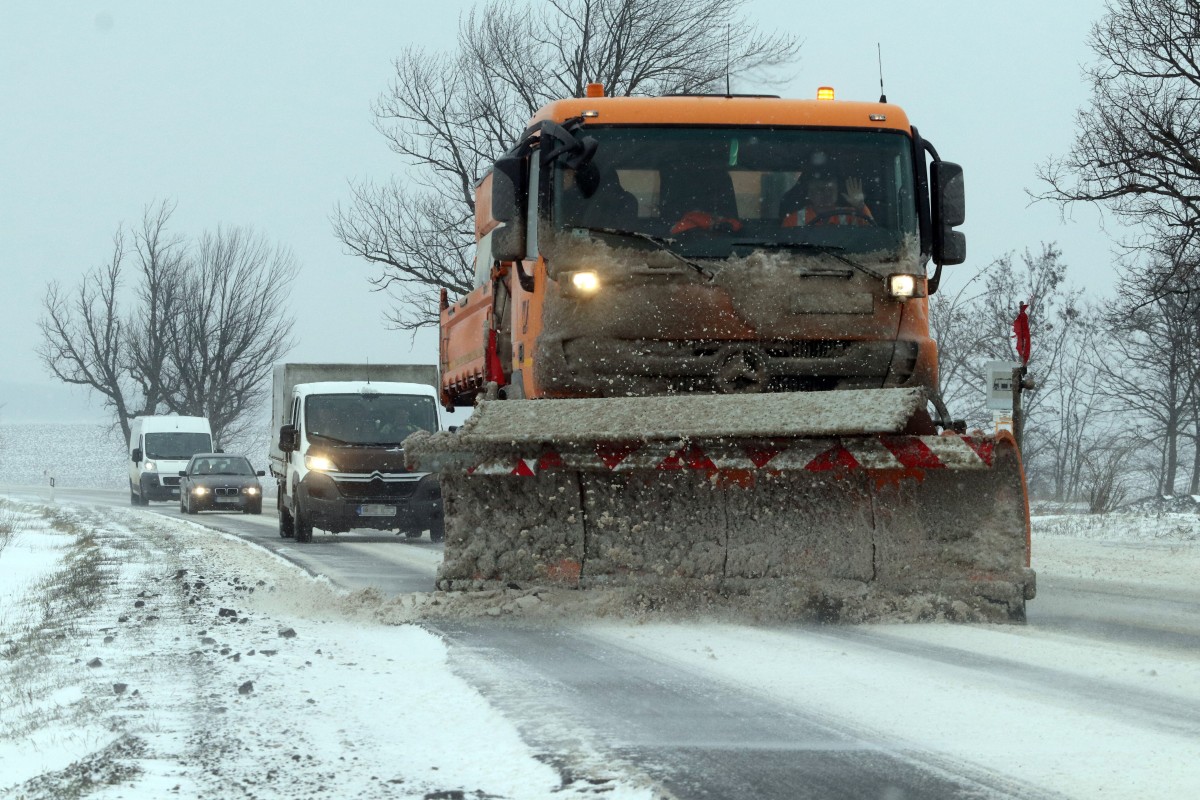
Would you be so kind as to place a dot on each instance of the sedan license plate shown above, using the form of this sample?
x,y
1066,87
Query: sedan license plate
x,y
227,499
376,510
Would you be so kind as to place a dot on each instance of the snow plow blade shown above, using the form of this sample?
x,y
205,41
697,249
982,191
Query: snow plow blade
x,y
804,505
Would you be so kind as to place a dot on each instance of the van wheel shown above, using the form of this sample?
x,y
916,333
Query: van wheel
x,y
287,526
437,530
134,500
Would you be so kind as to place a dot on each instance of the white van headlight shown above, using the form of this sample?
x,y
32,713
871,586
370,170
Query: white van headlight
x,y
151,466
319,463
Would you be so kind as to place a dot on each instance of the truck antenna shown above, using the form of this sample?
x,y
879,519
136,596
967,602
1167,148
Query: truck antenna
x,y
728,93
879,53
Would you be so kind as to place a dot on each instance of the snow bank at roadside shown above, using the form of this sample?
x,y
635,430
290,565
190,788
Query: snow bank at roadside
x,y
208,667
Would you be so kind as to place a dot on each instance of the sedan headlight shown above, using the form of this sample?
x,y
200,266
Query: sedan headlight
x,y
319,463
902,287
151,466
251,490
199,491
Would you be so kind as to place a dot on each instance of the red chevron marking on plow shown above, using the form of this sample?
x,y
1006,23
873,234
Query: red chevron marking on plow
x,y
836,457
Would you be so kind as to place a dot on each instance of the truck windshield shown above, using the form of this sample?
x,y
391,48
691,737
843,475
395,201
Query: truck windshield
x,y
717,191
368,419
176,445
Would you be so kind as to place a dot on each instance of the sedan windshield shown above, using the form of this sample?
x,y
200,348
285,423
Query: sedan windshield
x,y
717,191
221,465
369,419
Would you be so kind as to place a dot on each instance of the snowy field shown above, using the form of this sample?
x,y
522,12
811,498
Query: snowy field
x,y
77,456
82,456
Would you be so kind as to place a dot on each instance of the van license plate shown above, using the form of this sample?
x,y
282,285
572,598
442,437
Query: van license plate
x,y
376,510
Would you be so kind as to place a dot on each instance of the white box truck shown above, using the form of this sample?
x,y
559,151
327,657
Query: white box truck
x,y
159,447
337,456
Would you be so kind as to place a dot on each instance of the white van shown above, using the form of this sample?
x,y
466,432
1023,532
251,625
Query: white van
x,y
159,447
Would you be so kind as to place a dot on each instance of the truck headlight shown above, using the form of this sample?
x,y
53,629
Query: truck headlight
x,y
902,287
585,282
151,466
319,463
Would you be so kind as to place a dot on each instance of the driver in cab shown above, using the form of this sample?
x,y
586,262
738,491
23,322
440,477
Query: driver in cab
x,y
822,206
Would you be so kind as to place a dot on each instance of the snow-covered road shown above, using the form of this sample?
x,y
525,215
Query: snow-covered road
x,y
1098,695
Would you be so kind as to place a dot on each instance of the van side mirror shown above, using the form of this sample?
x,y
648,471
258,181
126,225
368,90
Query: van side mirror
x,y
136,456
949,210
509,194
287,438
183,473
260,473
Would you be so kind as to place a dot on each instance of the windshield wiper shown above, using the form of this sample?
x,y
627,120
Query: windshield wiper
x,y
826,249
658,241
333,439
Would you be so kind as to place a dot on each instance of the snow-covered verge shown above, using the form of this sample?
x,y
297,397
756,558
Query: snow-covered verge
x,y
147,657
1149,548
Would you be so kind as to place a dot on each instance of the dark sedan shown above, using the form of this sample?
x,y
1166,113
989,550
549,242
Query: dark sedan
x,y
219,482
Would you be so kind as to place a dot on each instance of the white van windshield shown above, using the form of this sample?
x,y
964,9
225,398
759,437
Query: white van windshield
x,y
177,445
369,419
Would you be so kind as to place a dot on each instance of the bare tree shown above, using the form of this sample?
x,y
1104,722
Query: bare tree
x,y
1137,146
954,321
448,116
231,327
1153,368
84,341
157,296
206,324
974,325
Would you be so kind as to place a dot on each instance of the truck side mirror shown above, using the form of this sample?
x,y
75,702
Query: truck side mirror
x,y
949,210
508,207
260,473
287,438
136,456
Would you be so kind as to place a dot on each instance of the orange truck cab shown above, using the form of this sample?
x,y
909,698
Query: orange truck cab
x,y
705,244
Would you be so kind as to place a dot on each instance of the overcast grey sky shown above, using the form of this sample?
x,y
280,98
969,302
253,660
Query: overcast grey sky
x,y
258,114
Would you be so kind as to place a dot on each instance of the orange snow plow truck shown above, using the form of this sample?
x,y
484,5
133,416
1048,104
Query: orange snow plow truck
x,y
700,359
